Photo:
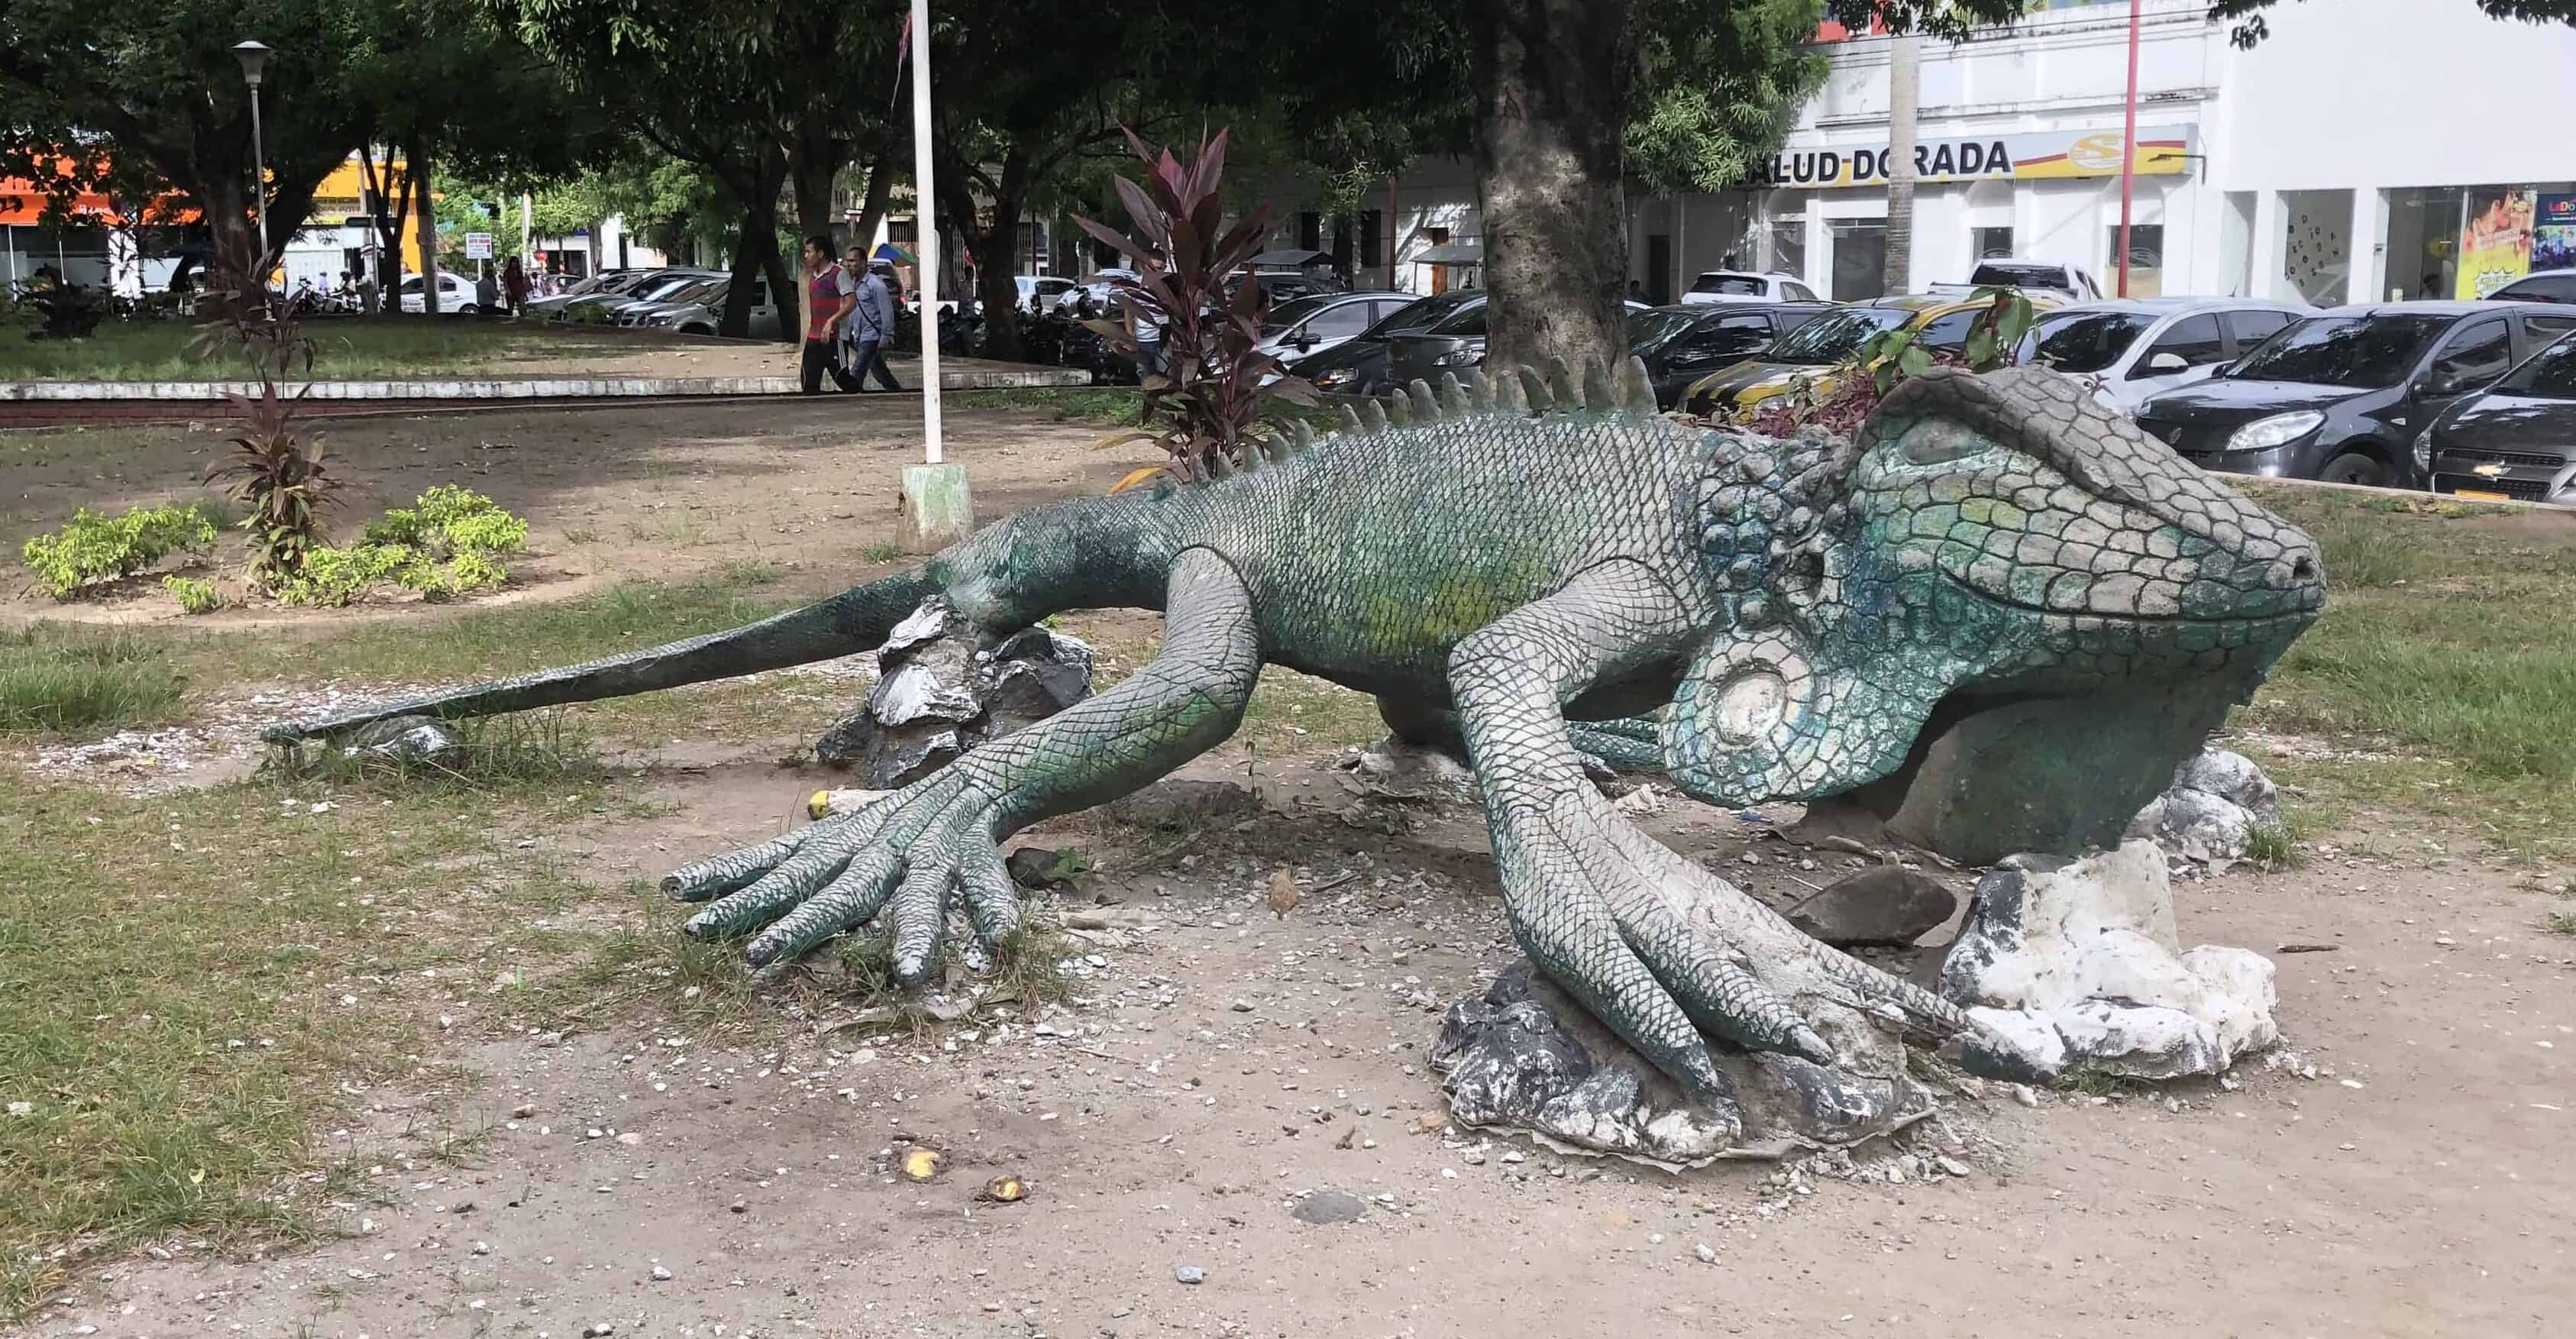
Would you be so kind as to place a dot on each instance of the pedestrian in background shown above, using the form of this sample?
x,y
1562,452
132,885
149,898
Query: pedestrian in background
x,y
514,286
871,325
829,298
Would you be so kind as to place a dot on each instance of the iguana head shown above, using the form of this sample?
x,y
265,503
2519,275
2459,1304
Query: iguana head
x,y
1996,533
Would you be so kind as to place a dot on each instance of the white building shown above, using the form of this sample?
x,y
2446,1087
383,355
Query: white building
x,y
2354,155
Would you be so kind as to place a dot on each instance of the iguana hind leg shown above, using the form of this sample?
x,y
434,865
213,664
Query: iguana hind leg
x,y
1656,947
906,854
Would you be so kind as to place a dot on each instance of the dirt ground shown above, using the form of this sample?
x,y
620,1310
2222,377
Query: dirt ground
x,y
679,1173
671,491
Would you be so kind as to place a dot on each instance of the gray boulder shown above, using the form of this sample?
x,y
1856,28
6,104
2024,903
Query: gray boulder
x,y
1886,905
942,691
2209,814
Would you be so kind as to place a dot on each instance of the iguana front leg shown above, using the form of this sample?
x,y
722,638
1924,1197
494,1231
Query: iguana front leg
x,y
905,854
1658,948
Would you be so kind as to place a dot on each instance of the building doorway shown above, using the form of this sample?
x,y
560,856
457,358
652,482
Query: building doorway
x,y
1659,268
1858,249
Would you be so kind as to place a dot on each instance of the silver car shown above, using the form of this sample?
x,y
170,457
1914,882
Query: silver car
x,y
2131,348
698,311
1313,324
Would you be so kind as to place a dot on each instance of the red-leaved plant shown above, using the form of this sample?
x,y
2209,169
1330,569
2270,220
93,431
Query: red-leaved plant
x,y
1888,357
273,469
1202,403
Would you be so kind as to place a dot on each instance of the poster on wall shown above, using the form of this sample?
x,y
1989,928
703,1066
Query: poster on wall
x,y
2553,234
2495,242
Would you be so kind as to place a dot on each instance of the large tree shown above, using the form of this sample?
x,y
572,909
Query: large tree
x,y
99,88
769,97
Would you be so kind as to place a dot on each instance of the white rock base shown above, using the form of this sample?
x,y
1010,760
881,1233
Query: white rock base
x,y
2075,964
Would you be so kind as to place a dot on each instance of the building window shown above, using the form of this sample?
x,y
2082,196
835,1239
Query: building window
x,y
1788,250
1310,230
1372,227
1994,243
2146,260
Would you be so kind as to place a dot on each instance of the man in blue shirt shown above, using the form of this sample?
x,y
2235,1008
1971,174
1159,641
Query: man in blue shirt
x,y
871,326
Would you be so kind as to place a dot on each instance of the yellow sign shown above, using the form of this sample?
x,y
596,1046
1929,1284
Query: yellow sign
x,y
2053,155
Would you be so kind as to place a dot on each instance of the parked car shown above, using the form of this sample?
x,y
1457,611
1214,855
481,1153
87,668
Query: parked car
x,y
1310,325
2342,395
1358,366
700,311
1681,344
639,312
1096,288
1456,342
2544,286
2071,283
456,295
1941,322
1285,286
1746,286
606,281
601,308
2516,440
2131,348
1042,289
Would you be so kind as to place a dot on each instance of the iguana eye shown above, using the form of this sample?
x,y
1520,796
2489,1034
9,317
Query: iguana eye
x,y
1938,443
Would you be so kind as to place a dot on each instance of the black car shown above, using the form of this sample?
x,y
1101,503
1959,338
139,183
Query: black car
x,y
2341,395
1285,286
2517,440
1452,345
1681,344
1359,367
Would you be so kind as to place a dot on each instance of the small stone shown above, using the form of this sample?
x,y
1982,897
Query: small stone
x,y
1329,1206
1190,1274
1707,1254
1241,1006
599,1329
1952,1165
1886,905
523,1111
661,1275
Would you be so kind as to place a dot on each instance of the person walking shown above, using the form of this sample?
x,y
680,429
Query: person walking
x,y
514,285
829,298
871,324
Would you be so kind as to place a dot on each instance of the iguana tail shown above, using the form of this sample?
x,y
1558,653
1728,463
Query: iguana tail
x,y
855,620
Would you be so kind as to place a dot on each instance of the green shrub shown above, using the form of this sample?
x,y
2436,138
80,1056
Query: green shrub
x,y
441,545
195,597
97,547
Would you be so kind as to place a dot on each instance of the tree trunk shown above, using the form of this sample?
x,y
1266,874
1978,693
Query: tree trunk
x,y
1551,104
872,206
754,190
428,211
1903,96
812,164
994,246
392,210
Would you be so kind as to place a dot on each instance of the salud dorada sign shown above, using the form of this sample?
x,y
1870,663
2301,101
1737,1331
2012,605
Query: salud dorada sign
x,y
2160,151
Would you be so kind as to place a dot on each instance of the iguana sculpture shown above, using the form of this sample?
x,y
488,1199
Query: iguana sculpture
x,y
1499,560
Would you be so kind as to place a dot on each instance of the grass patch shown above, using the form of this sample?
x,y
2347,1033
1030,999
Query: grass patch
x,y
2563,921
343,347
483,643
542,749
2445,649
2271,848
186,981
59,679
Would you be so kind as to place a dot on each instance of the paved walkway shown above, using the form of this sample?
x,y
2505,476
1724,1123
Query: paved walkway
x,y
40,403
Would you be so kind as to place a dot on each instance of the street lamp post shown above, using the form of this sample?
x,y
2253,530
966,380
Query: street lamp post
x,y
253,56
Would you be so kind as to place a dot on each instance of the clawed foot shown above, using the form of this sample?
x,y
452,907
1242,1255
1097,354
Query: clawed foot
x,y
903,856
1670,956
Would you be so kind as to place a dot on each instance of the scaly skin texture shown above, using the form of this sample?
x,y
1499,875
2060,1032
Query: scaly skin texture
x,y
1760,619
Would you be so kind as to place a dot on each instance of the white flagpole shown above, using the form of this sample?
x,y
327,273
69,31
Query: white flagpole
x,y
925,230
